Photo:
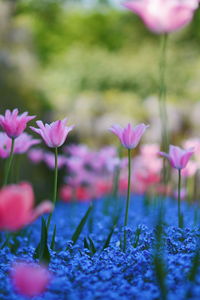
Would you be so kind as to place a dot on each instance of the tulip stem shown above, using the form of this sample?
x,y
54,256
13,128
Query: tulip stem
x,y
162,93
8,166
128,198
55,186
179,199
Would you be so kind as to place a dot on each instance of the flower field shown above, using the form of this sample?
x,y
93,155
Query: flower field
x,y
119,222
82,271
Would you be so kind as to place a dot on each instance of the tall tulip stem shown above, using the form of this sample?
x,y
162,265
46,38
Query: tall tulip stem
x,y
179,199
8,166
162,93
128,198
55,185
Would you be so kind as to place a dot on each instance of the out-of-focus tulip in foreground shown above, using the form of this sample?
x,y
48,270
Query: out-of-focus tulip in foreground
x,y
17,206
30,279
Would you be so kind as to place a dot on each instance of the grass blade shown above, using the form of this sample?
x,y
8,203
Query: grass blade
x,y
42,251
52,246
80,226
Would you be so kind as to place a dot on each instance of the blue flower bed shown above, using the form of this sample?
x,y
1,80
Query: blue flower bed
x,y
82,273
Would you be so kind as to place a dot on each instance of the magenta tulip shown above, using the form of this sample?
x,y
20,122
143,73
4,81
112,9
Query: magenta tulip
x,y
14,124
54,134
129,136
178,157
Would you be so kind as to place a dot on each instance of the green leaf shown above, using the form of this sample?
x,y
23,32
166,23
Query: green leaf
x,y
89,244
160,272
92,246
194,267
80,226
6,243
42,251
107,242
53,238
137,237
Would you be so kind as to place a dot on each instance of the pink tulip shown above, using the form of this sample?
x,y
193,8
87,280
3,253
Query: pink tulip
x,y
16,206
54,134
178,157
22,144
13,123
164,16
129,136
30,279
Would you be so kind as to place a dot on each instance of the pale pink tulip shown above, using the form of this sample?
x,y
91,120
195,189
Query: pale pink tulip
x,y
54,134
164,16
14,124
16,206
129,136
178,157
30,279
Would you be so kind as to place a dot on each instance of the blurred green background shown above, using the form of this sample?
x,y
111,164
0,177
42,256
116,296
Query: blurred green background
x,y
97,64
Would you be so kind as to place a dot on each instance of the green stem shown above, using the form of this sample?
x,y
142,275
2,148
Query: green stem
x,y
55,186
8,167
128,198
162,93
179,199
116,182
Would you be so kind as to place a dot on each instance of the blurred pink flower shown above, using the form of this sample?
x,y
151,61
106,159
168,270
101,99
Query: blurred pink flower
x,y
149,150
36,155
66,193
49,159
54,134
178,157
163,16
102,188
4,145
183,193
129,136
16,206
77,150
30,279
190,169
147,168
14,124
22,144
194,143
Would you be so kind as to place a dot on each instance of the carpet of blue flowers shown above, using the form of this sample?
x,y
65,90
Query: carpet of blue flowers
x,y
155,266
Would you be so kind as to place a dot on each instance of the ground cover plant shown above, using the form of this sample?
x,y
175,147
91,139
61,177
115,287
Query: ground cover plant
x,y
127,225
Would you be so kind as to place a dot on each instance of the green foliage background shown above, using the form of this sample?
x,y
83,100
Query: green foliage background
x,y
58,52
